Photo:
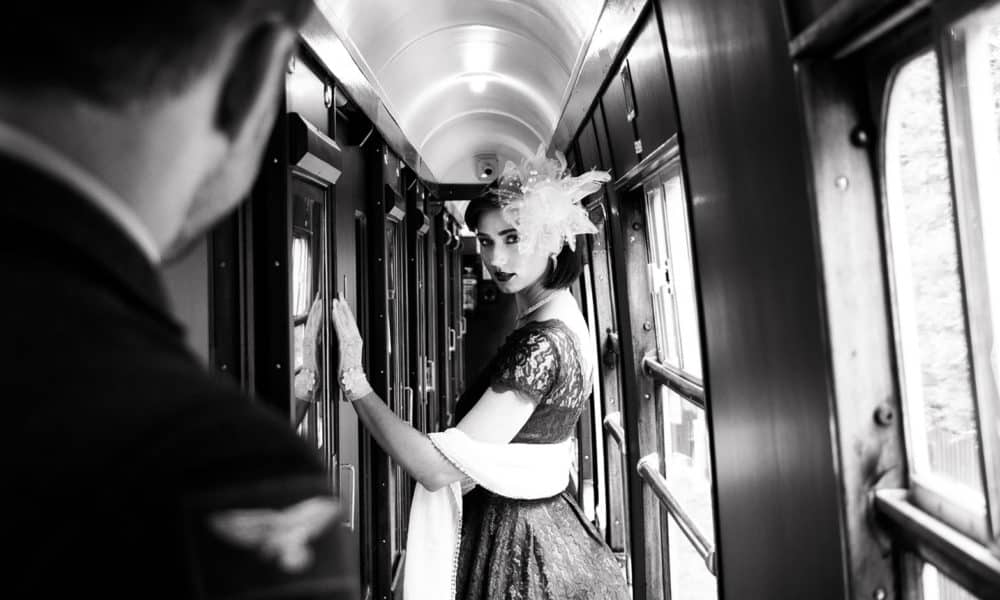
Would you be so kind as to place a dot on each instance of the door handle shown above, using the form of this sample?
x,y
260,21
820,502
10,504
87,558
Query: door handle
x,y
354,492
408,391
430,375
611,349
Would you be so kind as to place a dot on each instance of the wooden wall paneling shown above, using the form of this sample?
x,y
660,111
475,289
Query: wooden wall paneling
x,y
379,372
848,223
351,280
306,88
416,233
586,143
606,163
621,131
431,364
768,364
458,314
641,410
442,312
655,116
271,263
616,519
229,256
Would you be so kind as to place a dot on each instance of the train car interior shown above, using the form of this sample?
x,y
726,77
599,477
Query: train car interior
x,y
794,291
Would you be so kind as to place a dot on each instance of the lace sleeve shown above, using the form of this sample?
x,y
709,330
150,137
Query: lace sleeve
x,y
529,365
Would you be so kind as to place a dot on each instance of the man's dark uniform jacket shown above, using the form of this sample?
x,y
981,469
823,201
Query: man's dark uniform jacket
x,y
130,471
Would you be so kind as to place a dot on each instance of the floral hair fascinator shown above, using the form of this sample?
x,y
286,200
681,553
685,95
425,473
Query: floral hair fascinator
x,y
542,201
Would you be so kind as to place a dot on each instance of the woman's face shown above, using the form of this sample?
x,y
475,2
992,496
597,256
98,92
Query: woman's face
x,y
511,270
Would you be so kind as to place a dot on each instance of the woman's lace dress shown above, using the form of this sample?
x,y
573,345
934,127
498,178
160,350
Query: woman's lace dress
x,y
535,549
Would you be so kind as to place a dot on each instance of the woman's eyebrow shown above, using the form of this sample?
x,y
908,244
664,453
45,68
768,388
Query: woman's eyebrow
x,y
506,231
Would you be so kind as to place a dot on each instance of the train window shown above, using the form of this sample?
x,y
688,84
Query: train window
x,y
313,409
685,431
935,586
971,57
931,330
672,276
689,475
941,147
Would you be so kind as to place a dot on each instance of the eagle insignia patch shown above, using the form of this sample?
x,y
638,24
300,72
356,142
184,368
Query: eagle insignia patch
x,y
281,535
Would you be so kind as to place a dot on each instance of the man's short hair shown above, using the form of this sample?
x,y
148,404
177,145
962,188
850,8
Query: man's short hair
x,y
119,51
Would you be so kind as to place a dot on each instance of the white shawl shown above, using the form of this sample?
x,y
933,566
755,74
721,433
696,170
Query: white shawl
x,y
523,471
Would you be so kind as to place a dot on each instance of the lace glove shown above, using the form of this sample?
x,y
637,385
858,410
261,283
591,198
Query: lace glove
x,y
352,376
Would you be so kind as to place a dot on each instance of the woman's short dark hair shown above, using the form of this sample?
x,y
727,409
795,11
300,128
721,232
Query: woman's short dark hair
x,y
569,263
567,271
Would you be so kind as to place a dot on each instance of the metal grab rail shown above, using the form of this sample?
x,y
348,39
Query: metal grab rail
x,y
613,425
649,471
964,560
691,389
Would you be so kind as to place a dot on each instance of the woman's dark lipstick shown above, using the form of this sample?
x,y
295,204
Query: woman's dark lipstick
x,y
504,277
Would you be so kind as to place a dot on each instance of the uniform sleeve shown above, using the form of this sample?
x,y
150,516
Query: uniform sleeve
x,y
281,538
257,516
529,364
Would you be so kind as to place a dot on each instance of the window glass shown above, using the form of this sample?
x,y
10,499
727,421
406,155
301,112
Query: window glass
x,y
302,275
685,432
682,275
689,477
935,586
932,336
664,310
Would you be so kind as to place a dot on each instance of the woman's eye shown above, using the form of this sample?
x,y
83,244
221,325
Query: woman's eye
x,y
485,243
512,239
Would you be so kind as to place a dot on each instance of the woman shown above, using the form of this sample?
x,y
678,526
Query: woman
x,y
517,534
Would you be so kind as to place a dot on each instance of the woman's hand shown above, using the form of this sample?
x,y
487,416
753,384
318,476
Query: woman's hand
x,y
305,385
349,342
311,333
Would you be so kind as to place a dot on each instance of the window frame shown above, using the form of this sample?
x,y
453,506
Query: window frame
x,y
924,524
924,492
963,146
669,369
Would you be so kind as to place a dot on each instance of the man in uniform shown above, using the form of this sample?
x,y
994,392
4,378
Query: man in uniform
x,y
126,130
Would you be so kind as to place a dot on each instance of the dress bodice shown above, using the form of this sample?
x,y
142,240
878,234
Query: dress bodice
x,y
542,360
516,549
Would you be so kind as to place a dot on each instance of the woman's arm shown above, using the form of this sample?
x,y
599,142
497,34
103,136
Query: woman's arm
x,y
496,418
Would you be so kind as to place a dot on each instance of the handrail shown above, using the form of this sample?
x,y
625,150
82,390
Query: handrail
x,y
613,425
648,469
962,559
685,385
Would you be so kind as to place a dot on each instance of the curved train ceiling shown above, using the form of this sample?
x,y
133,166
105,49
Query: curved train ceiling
x,y
464,78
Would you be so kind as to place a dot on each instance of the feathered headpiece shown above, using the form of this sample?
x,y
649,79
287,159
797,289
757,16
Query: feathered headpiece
x,y
543,201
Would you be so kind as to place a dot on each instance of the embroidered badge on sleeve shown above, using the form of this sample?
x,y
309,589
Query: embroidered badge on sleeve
x,y
273,539
280,535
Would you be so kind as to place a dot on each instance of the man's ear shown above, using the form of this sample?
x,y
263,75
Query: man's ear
x,y
252,81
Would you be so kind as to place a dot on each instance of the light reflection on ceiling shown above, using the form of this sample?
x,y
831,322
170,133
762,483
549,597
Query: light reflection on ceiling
x,y
468,77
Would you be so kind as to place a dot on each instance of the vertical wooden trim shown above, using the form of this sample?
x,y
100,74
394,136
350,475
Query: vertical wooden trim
x,y
271,263
769,377
379,368
848,224
642,413
611,394
446,402
432,369
227,297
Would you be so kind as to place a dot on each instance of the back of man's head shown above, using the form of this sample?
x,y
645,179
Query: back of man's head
x,y
115,52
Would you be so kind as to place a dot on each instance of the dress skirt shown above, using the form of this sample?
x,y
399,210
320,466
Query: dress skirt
x,y
533,549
